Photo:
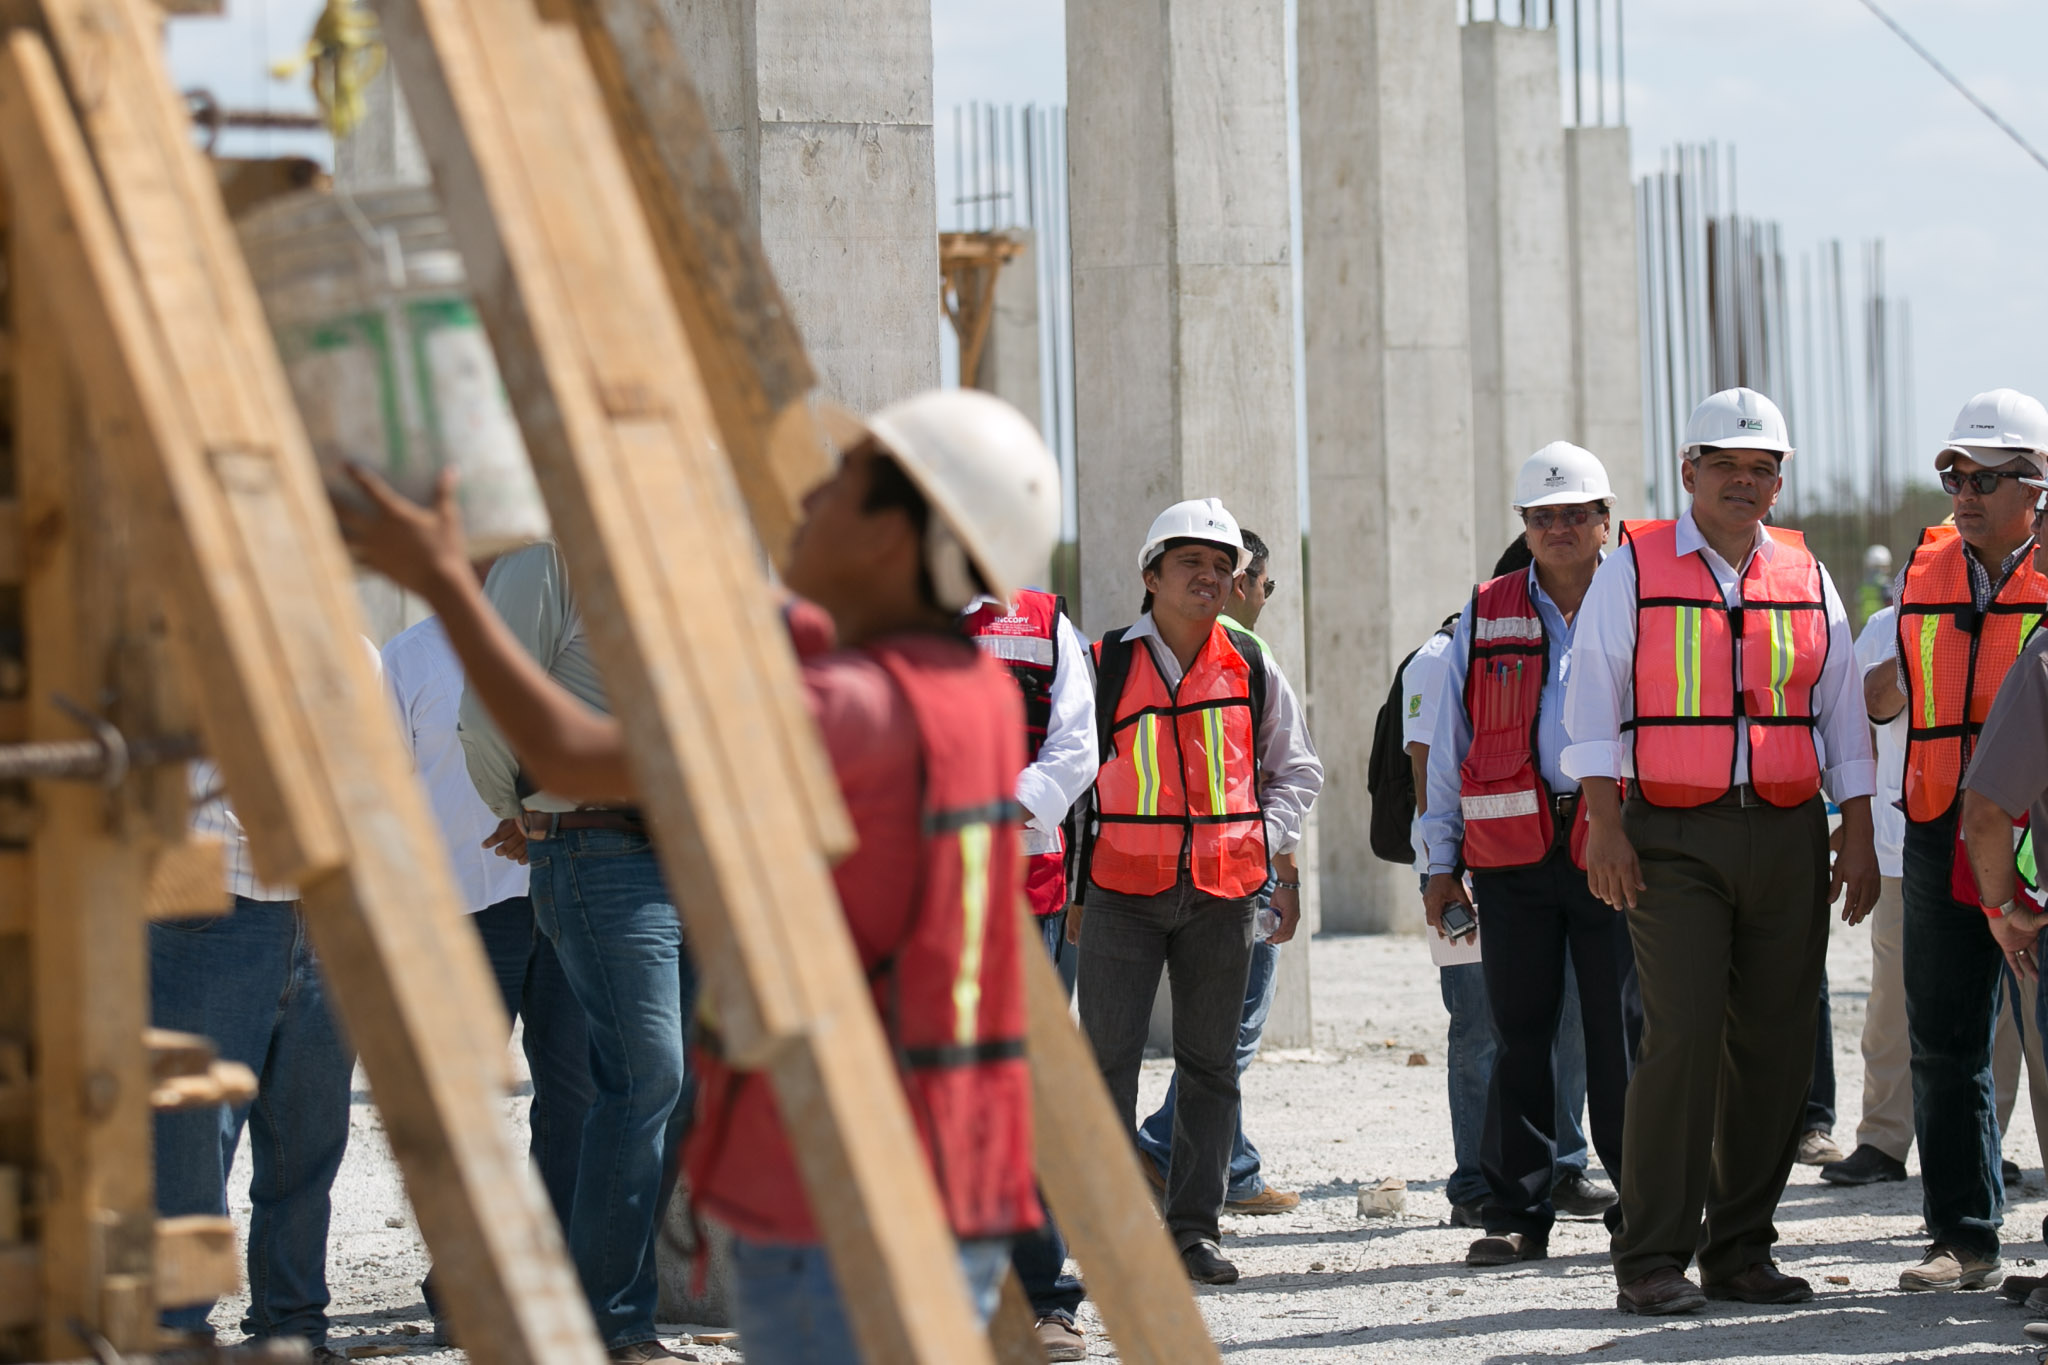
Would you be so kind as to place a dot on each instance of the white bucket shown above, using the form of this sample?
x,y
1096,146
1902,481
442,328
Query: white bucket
x,y
385,355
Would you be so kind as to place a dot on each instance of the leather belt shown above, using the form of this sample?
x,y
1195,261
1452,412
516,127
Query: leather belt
x,y
1742,796
547,824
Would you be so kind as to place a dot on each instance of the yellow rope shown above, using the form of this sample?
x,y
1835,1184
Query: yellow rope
x,y
345,55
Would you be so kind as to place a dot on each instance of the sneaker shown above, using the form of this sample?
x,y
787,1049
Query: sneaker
x,y
1864,1166
641,1352
2019,1288
2036,1301
1467,1216
2035,1331
1205,1263
1816,1148
1946,1267
1268,1200
1575,1195
1061,1339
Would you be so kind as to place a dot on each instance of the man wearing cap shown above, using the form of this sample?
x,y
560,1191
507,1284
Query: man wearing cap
x,y
1207,773
1712,670
1500,804
1967,599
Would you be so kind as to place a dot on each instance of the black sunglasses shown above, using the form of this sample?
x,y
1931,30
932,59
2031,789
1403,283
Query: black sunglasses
x,y
1543,518
1985,481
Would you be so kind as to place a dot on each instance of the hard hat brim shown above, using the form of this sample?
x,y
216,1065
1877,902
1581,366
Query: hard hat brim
x,y
1567,498
1152,549
1945,458
1740,443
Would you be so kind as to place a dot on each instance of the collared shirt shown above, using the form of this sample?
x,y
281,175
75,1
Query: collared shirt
x,y
1982,590
1421,685
529,588
1067,763
1290,774
1443,827
1875,646
1602,691
425,681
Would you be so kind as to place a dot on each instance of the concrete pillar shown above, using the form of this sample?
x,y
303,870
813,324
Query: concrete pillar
x,y
827,122
1183,312
1009,358
1520,264
1607,368
1389,372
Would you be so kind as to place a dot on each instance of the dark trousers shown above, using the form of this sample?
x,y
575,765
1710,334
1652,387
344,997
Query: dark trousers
x,y
1040,1257
1204,944
1820,1095
1730,938
1534,917
1952,970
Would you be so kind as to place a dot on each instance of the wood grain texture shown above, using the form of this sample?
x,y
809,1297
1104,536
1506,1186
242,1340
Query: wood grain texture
x,y
197,1260
185,881
1013,1331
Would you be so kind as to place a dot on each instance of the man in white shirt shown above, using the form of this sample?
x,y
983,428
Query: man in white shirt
x,y
1712,668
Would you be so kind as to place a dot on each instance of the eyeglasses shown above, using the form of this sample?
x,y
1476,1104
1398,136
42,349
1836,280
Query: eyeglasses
x,y
1543,518
1985,481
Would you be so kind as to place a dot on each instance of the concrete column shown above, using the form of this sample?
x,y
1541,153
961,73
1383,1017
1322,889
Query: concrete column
x,y
1607,367
1520,263
1009,358
1389,371
827,122
1183,313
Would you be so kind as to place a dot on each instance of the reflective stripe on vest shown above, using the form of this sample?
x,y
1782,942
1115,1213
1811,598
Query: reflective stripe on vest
x,y
1501,792
1024,640
1952,653
1181,783
1695,692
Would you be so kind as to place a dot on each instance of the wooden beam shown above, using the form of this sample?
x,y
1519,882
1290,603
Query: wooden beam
x,y
21,1287
172,1053
14,911
196,1260
1013,1331
187,880
220,1083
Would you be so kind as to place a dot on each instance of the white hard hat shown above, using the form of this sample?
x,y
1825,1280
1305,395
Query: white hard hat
x,y
1204,519
1996,428
1562,473
1876,558
1736,419
994,487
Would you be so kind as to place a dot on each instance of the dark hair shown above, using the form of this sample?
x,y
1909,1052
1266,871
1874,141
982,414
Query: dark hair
x,y
1255,547
1518,555
890,489
1168,548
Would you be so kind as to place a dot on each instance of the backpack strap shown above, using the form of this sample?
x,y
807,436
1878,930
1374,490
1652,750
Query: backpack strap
x,y
1112,667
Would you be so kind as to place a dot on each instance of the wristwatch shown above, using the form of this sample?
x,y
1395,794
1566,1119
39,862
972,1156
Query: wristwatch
x,y
1287,886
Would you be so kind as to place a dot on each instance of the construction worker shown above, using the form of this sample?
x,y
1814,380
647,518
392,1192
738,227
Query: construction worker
x,y
1032,637
1206,777
936,500
1247,1190
1712,669
1500,804
1876,592
1967,598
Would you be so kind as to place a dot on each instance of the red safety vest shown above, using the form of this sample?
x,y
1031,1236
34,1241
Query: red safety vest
x,y
950,993
1503,798
1181,781
1025,640
1955,660
1691,702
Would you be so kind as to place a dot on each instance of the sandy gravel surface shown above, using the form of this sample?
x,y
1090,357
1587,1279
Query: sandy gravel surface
x,y
1323,1284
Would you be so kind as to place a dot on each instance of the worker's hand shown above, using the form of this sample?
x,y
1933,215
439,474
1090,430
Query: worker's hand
x,y
1074,924
1443,891
1856,862
1612,872
508,840
2019,938
1286,904
421,549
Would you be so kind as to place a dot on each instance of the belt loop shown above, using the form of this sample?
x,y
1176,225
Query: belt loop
x,y
554,824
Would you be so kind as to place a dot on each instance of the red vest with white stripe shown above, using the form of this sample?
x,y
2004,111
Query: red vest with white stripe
x,y
1502,795
1025,640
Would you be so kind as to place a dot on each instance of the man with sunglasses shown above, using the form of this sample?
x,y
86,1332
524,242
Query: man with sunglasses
x,y
1500,803
1967,599
1712,671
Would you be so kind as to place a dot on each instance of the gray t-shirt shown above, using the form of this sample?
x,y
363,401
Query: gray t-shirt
x,y
2009,764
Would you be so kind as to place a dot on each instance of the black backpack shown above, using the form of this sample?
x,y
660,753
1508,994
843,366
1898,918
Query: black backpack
x,y
1390,777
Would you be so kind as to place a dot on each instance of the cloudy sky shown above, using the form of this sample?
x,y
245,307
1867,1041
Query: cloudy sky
x,y
1840,131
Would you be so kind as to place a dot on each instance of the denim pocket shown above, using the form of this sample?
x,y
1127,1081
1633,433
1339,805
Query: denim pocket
x,y
197,924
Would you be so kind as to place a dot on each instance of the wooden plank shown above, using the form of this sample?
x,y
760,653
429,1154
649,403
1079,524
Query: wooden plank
x,y
220,1083
14,909
196,1260
204,432
186,881
1013,1331
653,526
10,511
172,1053
1089,1173
97,1212
21,1286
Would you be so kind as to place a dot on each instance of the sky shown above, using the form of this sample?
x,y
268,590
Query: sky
x,y
1840,132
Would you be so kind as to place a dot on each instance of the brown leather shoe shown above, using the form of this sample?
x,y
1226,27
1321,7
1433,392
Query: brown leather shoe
x,y
1761,1283
1507,1248
1664,1290
1268,1200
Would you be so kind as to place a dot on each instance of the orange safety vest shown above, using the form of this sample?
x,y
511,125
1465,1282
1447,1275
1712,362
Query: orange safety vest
x,y
1952,653
1502,796
1181,779
1025,640
1692,696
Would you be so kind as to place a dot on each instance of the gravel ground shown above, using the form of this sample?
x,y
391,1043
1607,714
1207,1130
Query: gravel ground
x,y
1322,1284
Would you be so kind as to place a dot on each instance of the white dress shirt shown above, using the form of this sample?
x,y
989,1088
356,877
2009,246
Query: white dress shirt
x,y
1602,691
1875,648
1066,764
425,681
1290,774
1421,691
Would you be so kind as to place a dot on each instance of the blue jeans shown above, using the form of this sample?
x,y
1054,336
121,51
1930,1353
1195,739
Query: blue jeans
x,y
599,900
1155,1134
788,1309
1469,1053
1041,1257
248,980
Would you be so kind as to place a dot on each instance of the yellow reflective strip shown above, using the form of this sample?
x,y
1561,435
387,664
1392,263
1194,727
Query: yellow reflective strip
x,y
1212,724
975,842
1688,661
1781,658
1929,625
2027,623
1146,756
